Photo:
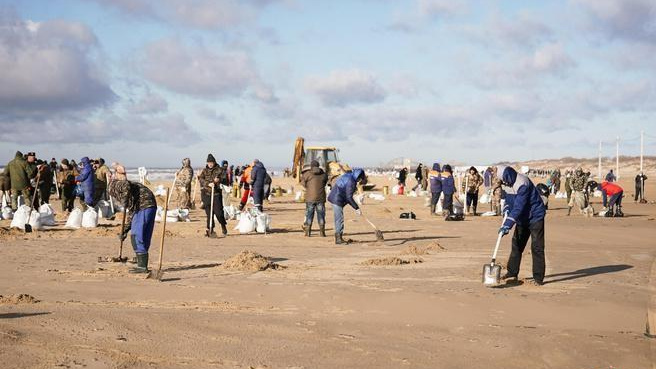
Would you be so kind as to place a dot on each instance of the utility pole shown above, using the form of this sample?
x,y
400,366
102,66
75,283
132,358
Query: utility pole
x,y
642,148
599,166
617,158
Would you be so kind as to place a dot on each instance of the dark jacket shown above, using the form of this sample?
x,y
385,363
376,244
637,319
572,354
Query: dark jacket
x,y
45,180
344,188
448,184
258,177
522,197
434,177
133,196
86,178
419,173
207,176
19,172
314,180
639,179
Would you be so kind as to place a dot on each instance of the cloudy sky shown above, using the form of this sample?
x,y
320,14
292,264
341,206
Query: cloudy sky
x,y
148,82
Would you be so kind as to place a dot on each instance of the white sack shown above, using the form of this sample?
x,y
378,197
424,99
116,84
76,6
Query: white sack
x,y
90,218
74,219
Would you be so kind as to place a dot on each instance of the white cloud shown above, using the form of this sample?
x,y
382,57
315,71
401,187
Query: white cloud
x,y
49,66
346,87
150,103
550,58
198,71
203,14
625,19
440,8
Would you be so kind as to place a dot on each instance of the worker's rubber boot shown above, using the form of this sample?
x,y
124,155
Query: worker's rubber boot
x,y
432,210
142,265
569,211
609,213
308,230
338,239
474,208
322,230
619,213
224,230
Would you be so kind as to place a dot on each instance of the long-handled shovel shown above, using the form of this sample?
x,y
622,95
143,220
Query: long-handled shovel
x,y
210,232
379,233
193,196
121,258
28,226
492,271
157,274
175,179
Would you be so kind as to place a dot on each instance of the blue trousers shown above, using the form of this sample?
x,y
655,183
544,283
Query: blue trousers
x,y
339,219
310,208
143,222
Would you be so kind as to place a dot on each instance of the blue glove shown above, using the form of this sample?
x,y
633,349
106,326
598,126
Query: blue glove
x,y
504,230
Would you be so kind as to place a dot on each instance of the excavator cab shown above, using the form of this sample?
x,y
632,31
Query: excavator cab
x,y
324,155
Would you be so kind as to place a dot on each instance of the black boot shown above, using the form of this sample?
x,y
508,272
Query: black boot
x,y
322,230
224,230
609,213
432,210
619,213
142,264
338,239
308,230
474,207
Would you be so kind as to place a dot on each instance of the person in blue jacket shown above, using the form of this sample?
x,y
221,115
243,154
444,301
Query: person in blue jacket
x,y
342,194
258,179
526,212
448,189
435,186
85,180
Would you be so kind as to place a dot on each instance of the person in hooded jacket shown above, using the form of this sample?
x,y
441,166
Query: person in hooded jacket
x,y
183,184
5,188
86,182
66,180
435,187
419,176
526,212
141,206
340,195
211,177
315,179
45,183
258,179
615,202
448,189
19,173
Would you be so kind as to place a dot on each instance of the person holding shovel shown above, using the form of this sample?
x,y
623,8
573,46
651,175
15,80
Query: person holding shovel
x,y
210,178
526,213
141,206
19,173
342,194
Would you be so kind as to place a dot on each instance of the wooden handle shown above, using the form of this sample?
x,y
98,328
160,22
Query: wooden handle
x,y
161,244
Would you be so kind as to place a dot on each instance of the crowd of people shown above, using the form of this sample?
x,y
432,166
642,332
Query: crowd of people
x,y
512,194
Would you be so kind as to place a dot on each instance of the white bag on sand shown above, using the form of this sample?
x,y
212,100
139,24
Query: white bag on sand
x,y
561,195
376,196
485,199
412,194
247,223
183,215
47,215
225,195
263,222
488,214
395,190
230,212
20,218
90,218
160,191
74,219
104,209
7,213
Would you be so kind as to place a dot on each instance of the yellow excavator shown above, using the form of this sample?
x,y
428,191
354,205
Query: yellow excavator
x,y
327,158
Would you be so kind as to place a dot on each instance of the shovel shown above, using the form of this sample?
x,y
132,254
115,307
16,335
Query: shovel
x,y
157,274
28,226
492,271
210,232
193,196
121,258
379,233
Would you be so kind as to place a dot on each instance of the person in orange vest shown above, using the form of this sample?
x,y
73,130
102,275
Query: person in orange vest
x,y
615,202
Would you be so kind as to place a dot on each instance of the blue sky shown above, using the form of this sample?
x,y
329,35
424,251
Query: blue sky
x,y
148,82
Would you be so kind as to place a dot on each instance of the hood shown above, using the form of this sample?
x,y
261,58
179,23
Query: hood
x,y
316,170
436,167
258,165
84,160
186,162
499,171
509,176
19,154
357,173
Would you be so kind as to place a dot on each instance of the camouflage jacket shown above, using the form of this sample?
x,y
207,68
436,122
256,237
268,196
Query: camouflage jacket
x,y
207,176
184,177
578,181
472,182
132,195
66,177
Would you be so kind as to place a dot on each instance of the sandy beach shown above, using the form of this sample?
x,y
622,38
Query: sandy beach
x,y
413,301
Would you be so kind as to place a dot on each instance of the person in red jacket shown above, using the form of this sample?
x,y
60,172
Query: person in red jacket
x,y
615,192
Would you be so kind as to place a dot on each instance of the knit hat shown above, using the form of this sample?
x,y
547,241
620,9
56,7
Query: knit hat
x,y
210,159
314,164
